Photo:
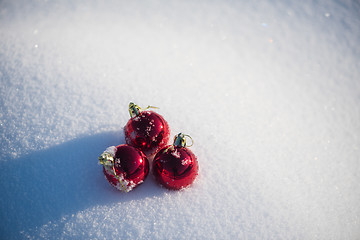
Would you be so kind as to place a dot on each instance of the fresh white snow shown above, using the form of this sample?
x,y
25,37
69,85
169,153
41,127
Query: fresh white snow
x,y
268,90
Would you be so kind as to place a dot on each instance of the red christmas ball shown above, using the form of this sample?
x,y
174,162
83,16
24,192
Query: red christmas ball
x,y
146,130
175,166
124,166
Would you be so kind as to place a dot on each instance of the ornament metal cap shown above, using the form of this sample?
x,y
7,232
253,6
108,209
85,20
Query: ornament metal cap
x,y
134,109
106,159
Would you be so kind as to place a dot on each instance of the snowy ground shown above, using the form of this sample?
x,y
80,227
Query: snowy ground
x,y
269,91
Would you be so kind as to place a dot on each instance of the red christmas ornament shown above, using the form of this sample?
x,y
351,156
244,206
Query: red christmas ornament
x,y
146,130
124,166
175,166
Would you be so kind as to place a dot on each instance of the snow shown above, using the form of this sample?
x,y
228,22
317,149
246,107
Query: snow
x,y
111,150
177,155
269,91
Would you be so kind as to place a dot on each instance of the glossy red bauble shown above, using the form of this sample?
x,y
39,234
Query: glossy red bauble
x,y
124,166
146,130
175,167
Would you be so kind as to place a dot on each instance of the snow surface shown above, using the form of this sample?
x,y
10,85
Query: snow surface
x,y
268,90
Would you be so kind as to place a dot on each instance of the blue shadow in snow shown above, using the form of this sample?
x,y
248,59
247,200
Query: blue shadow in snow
x,y
46,185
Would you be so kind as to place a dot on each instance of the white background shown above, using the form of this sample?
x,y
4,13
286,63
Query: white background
x,y
268,90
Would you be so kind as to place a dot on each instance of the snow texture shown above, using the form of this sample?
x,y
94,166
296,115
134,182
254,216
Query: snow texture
x,y
268,90
111,150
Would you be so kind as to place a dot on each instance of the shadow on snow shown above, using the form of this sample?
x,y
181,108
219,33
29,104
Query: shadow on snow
x,y
46,185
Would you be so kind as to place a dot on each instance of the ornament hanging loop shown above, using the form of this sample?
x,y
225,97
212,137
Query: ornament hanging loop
x,y
118,178
151,107
192,141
